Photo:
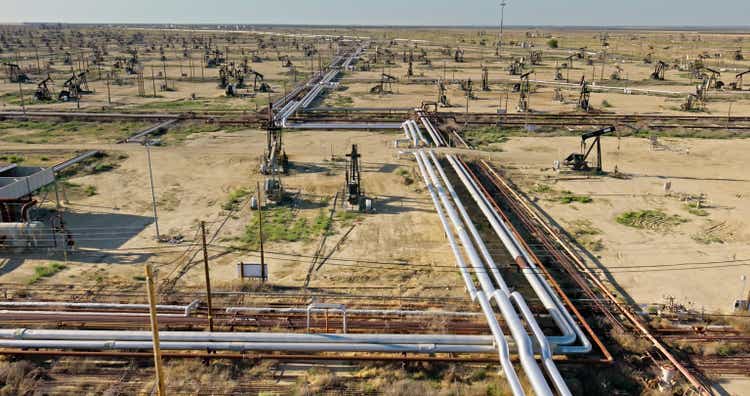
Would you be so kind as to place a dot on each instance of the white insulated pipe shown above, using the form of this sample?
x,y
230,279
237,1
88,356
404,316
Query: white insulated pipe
x,y
525,348
434,134
568,334
410,134
497,332
415,128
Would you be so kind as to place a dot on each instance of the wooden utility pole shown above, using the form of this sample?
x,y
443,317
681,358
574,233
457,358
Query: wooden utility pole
x,y
153,80
260,237
208,278
109,94
20,92
155,331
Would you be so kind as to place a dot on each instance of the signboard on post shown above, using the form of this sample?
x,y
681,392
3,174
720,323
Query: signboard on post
x,y
252,270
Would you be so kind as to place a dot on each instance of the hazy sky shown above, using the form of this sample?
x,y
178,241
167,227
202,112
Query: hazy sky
x,y
396,12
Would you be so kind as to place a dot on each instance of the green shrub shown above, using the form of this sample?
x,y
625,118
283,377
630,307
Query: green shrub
x,y
45,271
553,43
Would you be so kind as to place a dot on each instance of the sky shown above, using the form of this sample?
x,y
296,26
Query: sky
x,y
715,13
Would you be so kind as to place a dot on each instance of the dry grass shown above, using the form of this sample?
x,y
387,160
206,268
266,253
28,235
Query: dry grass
x,y
18,378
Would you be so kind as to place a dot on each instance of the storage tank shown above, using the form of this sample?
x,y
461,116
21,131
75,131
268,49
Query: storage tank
x,y
18,237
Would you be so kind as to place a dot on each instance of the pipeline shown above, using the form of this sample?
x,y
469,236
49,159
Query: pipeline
x,y
529,364
437,138
497,332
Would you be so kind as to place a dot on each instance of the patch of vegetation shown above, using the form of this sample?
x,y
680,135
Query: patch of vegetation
x,y
486,138
567,197
649,219
41,132
13,159
406,177
606,104
553,43
45,271
235,198
346,218
281,225
90,191
182,132
695,210
99,163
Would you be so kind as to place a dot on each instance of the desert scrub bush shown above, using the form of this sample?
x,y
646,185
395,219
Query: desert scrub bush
x,y
45,271
650,219
18,378
606,104
553,43
695,210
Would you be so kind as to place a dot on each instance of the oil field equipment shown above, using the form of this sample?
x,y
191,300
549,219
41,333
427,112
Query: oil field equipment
x,y
485,78
579,161
43,93
659,69
535,57
15,75
515,68
617,74
523,88
458,56
585,95
275,159
355,196
385,86
74,87
442,96
737,84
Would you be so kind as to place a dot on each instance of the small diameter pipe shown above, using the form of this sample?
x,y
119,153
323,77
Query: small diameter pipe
x,y
383,312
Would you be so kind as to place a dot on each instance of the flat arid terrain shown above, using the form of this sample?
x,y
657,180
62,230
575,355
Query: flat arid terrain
x,y
376,211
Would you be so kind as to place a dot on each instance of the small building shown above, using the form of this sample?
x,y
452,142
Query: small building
x,y
17,186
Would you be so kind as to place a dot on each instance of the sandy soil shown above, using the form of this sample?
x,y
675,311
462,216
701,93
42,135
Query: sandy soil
x,y
700,261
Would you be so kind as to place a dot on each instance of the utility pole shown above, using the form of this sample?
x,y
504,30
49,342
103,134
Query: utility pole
x,y
208,278
153,193
260,237
109,94
153,80
502,17
155,330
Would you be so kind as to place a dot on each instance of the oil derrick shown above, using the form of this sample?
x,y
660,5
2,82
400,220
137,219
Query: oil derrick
x,y
659,70
43,93
585,95
385,86
132,65
485,78
15,75
515,68
442,96
353,178
523,88
713,78
274,160
558,74
617,74
458,56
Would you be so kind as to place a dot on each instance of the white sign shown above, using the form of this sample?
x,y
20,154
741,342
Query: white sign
x,y
252,270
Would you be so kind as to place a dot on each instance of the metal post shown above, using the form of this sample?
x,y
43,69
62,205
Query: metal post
x,y
208,278
502,17
155,330
153,193
153,80
20,91
260,237
109,93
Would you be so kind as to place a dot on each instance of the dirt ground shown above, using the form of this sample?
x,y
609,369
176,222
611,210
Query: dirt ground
x,y
699,262
403,230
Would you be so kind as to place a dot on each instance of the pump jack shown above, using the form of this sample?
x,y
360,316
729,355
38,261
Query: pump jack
x,y
15,75
353,178
578,161
74,87
458,56
385,86
659,70
264,87
523,93
737,84
43,93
